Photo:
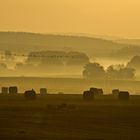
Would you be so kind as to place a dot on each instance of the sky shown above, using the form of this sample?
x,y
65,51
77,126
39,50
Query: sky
x,y
119,18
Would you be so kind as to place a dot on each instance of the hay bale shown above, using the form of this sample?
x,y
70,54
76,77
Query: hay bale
x,y
43,91
13,90
96,91
30,94
4,90
100,91
115,92
88,95
123,95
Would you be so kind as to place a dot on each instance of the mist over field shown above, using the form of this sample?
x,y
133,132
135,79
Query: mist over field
x,y
106,52
69,70
66,56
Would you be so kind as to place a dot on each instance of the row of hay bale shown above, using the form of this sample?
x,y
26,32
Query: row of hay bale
x,y
9,90
122,95
28,94
92,92
31,94
14,90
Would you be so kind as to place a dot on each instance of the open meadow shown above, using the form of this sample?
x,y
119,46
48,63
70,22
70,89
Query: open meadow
x,y
69,85
68,117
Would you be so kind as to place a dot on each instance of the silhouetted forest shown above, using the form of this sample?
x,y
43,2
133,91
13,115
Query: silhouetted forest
x,y
59,58
113,72
61,63
126,52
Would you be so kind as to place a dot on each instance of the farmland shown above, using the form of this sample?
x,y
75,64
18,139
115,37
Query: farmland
x,y
69,85
68,117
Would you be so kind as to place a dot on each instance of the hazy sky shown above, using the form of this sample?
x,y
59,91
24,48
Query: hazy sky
x,y
98,17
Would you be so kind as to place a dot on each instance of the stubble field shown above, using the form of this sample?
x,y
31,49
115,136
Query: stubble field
x,y
68,117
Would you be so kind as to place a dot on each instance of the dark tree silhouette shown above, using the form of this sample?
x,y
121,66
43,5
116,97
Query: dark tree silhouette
x,y
57,58
94,71
134,63
77,58
120,72
46,58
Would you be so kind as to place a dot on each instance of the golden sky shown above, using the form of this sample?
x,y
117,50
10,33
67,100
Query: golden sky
x,y
97,17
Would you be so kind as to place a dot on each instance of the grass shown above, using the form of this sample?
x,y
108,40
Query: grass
x,y
69,85
68,117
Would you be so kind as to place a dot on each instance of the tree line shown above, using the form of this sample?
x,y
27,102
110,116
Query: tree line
x,y
53,60
113,72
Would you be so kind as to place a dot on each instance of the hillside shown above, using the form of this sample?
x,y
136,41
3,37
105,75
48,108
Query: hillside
x,y
126,52
132,49
129,41
25,42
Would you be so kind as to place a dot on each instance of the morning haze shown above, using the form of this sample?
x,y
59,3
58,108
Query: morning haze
x,y
100,17
69,70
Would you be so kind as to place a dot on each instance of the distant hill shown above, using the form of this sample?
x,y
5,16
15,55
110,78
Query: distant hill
x,y
25,42
132,49
126,52
129,41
